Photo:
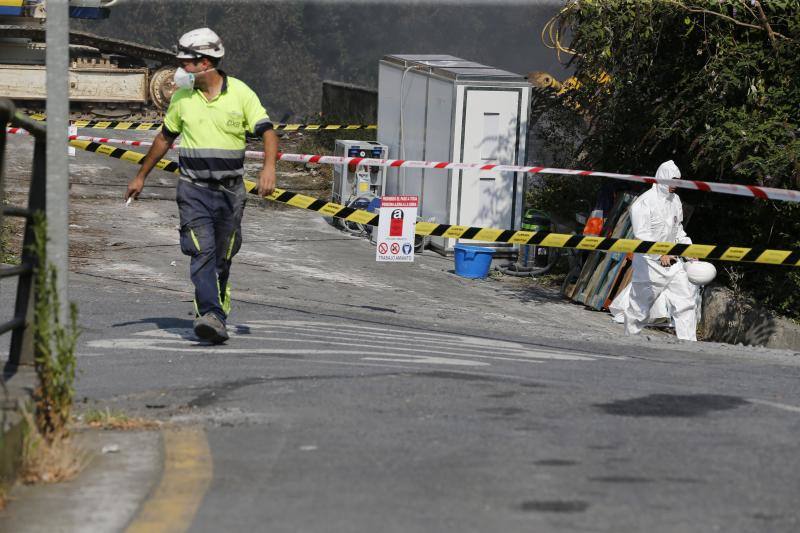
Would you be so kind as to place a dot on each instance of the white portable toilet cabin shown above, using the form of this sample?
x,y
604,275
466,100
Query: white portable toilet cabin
x,y
443,108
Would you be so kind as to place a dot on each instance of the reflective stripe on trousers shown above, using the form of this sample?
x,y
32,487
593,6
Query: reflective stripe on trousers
x,y
210,233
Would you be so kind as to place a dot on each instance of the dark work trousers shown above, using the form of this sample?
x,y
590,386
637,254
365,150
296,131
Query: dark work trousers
x,y
211,234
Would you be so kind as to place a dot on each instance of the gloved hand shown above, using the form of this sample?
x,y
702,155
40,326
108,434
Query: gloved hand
x,y
667,260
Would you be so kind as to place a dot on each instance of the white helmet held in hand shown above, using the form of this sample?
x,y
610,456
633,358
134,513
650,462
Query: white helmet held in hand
x,y
198,43
700,272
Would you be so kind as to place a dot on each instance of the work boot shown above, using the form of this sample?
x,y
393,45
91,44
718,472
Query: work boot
x,y
210,328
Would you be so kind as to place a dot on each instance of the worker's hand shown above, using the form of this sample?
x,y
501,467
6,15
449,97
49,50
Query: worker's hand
x,y
135,187
666,260
266,181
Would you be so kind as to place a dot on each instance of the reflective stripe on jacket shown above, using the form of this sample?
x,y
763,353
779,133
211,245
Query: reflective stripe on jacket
x,y
213,132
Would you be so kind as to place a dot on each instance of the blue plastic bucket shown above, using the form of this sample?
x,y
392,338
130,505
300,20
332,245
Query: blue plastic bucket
x,y
473,261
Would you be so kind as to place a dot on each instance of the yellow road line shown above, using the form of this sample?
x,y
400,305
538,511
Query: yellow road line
x,y
187,474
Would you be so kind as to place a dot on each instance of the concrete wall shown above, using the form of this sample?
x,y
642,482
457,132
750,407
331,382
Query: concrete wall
x,y
346,103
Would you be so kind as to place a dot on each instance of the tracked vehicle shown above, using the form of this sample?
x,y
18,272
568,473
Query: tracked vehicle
x,y
108,78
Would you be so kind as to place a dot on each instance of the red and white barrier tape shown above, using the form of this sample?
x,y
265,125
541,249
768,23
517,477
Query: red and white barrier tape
x,y
764,193
21,131
125,142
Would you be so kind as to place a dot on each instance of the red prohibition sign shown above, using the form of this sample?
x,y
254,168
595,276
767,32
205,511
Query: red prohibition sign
x,y
382,248
395,248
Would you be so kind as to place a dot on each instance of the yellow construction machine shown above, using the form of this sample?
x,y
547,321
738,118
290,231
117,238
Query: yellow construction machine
x,y
108,78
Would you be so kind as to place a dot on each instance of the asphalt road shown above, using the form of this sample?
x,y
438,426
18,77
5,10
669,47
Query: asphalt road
x,y
323,423
362,397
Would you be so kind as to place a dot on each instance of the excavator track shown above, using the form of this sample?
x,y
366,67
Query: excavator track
x,y
157,63
104,44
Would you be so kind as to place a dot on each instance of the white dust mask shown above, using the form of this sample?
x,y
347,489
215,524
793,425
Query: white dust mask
x,y
185,80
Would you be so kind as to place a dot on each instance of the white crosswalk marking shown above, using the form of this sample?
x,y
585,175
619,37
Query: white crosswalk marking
x,y
365,342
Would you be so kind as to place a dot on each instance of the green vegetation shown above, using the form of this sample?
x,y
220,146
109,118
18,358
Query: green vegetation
x,y
711,85
54,345
102,417
7,254
115,420
49,454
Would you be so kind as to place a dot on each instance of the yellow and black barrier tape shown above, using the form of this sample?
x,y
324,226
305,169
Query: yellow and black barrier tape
x,y
548,239
115,125
310,203
121,153
325,127
152,126
106,124
739,254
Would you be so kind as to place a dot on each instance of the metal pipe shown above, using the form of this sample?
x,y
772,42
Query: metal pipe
x,y
5,114
16,270
57,196
13,324
11,211
19,120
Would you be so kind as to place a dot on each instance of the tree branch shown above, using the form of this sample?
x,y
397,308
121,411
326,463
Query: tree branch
x,y
772,34
764,22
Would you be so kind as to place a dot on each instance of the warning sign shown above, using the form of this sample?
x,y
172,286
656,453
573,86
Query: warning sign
x,y
398,216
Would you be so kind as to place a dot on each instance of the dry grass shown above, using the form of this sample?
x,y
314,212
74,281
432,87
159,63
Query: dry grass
x,y
60,458
50,461
116,420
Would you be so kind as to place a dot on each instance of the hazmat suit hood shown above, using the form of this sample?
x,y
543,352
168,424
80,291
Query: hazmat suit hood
x,y
666,171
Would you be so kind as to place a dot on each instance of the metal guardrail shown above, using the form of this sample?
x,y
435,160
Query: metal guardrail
x,y
21,350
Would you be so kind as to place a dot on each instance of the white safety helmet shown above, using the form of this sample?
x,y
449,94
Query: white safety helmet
x,y
198,43
700,272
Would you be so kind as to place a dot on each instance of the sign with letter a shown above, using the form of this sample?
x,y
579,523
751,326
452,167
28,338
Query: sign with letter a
x,y
398,216
396,223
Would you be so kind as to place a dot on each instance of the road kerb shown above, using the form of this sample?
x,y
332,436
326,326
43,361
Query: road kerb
x,y
187,473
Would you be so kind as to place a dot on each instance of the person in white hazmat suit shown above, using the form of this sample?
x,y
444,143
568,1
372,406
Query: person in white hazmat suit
x,y
657,215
